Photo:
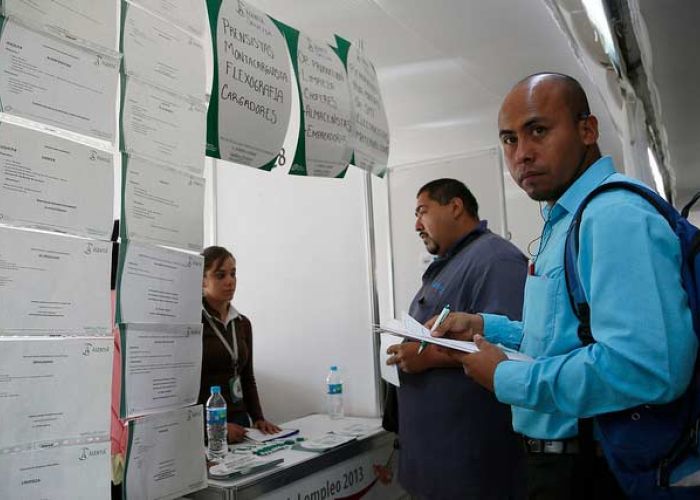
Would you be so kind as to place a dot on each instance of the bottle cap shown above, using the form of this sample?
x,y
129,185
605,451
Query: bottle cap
x,y
215,389
334,368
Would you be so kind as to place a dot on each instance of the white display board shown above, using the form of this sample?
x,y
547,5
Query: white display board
x,y
302,265
481,173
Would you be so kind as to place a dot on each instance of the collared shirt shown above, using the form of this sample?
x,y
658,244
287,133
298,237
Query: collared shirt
x,y
442,413
217,368
629,263
230,315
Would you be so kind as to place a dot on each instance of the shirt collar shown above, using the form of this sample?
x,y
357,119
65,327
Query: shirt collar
x,y
456,247
232,312
593,177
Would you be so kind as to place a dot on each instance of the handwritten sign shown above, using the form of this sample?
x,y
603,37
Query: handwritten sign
x,y
251,96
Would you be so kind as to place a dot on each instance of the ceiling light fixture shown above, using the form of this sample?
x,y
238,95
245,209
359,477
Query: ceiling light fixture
x,y
597,14
656,174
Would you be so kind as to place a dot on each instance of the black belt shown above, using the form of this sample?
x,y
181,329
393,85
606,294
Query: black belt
x,y
552,446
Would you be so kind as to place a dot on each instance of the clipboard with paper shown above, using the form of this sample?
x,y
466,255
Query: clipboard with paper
x,y
412,329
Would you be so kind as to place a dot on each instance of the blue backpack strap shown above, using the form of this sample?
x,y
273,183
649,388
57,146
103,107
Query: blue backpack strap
x,y
686,209
577,297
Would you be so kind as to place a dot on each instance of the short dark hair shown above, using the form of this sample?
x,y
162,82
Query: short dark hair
x,y
444,190
214,256
575,96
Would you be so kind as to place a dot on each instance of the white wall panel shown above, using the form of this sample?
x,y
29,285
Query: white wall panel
x,y
302,259
481,173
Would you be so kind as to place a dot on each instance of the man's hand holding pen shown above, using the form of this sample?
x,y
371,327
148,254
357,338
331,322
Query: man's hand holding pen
x,y
480,366
457,325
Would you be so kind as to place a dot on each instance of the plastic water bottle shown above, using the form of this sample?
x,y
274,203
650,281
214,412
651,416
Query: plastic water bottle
x,y
334,394
216,424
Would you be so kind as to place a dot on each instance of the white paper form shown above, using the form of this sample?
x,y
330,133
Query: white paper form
x,y
254,434
254,91
160,53
52,284
51,183
157,285
325,99
390,373
54,388
370,138
414,330
165,456
81,20
162,367
50,81
57,472
188,14
164,126
162,205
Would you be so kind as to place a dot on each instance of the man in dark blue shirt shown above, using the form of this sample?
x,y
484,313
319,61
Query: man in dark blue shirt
x,y
456,440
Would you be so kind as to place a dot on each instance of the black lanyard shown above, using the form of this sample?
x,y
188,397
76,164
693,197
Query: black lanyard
x,y
232,349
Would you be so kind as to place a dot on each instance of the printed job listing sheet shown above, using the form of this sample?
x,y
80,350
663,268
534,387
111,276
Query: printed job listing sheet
x,y
164,126
162,205
51,183
162,54
188,14
82,20
162,367
166,455
54,388
50,81
56,471
39,292
158,285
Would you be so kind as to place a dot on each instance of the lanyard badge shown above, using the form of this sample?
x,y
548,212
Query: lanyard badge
x,y
234,383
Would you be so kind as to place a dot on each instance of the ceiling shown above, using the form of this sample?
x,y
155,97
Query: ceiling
x,y
673,59
445,65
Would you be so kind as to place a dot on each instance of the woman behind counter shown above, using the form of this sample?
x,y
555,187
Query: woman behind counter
x,y
228,359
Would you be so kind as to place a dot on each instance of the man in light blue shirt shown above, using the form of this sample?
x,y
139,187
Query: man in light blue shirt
x,y
629,265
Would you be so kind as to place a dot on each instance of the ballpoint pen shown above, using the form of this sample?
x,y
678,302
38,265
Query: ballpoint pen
x,y
441,317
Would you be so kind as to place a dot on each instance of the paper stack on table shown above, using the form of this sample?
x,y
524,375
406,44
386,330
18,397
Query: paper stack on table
x,y
260,437
325,442
234,465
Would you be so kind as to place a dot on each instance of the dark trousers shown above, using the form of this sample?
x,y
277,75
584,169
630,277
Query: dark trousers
x,y
579,476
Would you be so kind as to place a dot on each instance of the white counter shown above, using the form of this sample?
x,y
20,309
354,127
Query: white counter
x,y
339,473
